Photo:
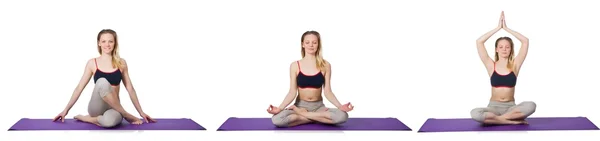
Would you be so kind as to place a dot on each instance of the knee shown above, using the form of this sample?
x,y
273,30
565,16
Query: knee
x,y
338,116
102,82
103,87
528,107
110,118
282,119
477,114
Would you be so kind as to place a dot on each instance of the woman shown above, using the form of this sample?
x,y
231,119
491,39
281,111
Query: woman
x,y
108,70
503,72
309,76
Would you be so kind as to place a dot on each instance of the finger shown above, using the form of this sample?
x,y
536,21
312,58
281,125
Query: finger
x,y
146,119
55,118
62,119
150,119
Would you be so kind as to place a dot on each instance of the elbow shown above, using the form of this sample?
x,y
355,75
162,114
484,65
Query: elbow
x,y
292,92
525,40
328,94
130,88
479,42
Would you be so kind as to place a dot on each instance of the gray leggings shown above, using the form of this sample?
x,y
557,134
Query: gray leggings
x,y
500,108
107,117
282,118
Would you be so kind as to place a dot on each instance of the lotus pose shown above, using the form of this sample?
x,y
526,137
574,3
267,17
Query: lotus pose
x,y
309,76
108,70
503,71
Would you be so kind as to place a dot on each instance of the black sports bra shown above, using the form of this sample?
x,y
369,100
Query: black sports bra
x,y
503,80
114,78
309,81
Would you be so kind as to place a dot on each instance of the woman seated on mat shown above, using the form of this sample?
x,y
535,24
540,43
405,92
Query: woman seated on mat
x,y
108,70
503,72
309,76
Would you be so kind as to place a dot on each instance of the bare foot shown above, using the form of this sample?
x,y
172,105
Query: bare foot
x,y
300,110
87,118
521,121
292,107
503,120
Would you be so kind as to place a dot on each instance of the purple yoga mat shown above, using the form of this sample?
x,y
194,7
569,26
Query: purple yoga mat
x,y
537,123
71,124
247,124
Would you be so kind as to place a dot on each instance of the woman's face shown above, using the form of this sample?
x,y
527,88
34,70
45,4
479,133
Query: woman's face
x,y
106,43
503,48
310,44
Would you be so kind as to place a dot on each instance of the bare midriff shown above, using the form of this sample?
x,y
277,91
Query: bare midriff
x,y
309,94
116,91
503,94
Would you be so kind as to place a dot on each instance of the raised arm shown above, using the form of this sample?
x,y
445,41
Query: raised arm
x,y
129,87
85,79
328,92
520,58
483,54
291,95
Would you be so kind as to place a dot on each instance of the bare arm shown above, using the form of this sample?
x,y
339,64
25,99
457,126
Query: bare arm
x,y
328,92
85,79
291,95
520,58
129,87
483,54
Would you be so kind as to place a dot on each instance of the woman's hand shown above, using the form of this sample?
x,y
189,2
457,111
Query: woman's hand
x,y
347,107
61,116
273,110
501,23
147,118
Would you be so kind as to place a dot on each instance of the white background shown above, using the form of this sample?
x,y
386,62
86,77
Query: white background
x,y
210,60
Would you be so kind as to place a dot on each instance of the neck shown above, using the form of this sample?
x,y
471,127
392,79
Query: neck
x,y
309,57
503,61
105,56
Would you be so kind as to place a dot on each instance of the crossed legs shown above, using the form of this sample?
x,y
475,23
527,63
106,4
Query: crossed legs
x,y
289,118
297,116
513,115
104,108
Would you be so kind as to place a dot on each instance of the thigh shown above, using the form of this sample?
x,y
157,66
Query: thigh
x,y
322,109
283,114
97,106
527,106
495,110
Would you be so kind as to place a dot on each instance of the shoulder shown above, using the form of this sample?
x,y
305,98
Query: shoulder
x,y
91,62
123,63
327,64
294,65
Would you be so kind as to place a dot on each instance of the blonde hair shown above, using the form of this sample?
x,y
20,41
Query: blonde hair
x,y
116,59
318,55
511,56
